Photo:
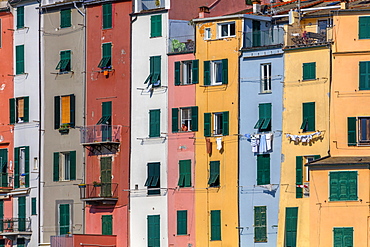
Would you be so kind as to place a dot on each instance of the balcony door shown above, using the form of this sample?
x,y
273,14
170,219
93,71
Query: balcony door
x,y
4,167
106,176
256,27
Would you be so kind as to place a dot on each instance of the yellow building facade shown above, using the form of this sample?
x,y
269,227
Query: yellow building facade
x,y
218,42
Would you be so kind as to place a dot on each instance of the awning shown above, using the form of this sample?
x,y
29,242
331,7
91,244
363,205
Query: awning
x,y
340,160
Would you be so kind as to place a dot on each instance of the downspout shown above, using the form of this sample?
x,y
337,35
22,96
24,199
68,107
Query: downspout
x,y
40,133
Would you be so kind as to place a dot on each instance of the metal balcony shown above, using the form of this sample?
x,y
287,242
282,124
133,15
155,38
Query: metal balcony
x,y
98,137
264,38
15,227
301,38
99,193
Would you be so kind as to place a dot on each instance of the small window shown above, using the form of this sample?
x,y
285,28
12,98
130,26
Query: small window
x,y
186,117
156,26
302,173
343,236
184,173
264,120
260,224
364,75
216,72
64,111
308,115
154,123
266,78
322,25
309,71
214,174
207,33
186,72
226,29
107,224
217,123
20,17
154,230
33,206
153,181
19,59
64,64
291,222
106,60
64,166
215,225
107,15
65,18
364,27
364,130
21,167
263,169
64,219
182,224
220,123
19,110
343,186
154,77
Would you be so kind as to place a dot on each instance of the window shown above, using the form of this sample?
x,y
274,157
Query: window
x,y
64,219
64,166
308,115
207,33
220,123
21,242
182,224
19,59
21,167
64,64
343,236
154,77
105,121
153,181
352,132
107,15
215,225
65,18
4,168
20,17
1,218
216,72
154,123
107,224
302,172
343,186
266,78
260,225
19,110
33,206
154,231
188,119
214,174
226,29
363,137
309,71
364,75
263,169
155,26
186,72
64,111
322,26
106,61
256,33
22,213
264,121
364,27
291,218
184,173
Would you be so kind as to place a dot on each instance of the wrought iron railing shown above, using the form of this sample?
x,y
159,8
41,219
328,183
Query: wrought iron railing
x,y
298,37
99,190
100,133
9,225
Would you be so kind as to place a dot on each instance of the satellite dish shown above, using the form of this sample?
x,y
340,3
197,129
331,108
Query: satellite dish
x,y
1,138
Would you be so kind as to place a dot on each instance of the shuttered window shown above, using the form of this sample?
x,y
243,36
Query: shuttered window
x,y
154,230
33,206
177,73
155,26
343,186
21,167
64,64
264,120
308,117
207,73
364,75
19,59
299,176
184,173
351,127
20,17
154,123
207,124
225,123
64,111
225,73
343,236
107,15
153,180
1,215
186,72
106,113
22,213
65,18
175,120
260,226
4,167
64,219
106,60
64,166
364,27
216,72
19,110
309,71
107,224
215,224
214,174
263,169
291,218
195,71
182,222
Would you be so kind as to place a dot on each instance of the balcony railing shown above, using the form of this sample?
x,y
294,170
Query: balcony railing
x,y
181,44
100,134
99,192
264,38
299,38
5,181
10,226
152,4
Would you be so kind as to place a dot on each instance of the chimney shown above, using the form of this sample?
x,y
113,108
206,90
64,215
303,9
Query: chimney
x,y
256,6
344,4
202,11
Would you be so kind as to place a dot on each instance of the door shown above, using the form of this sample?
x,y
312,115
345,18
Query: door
x,y
4,167
106,176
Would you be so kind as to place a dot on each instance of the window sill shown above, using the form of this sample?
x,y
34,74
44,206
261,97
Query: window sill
x,y
344,200
312,79
213,85
155,37
265,92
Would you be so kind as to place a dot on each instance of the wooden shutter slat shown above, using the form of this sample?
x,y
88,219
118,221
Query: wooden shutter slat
x,y
215,225
225,76
194,118
299,176
56,112
72,110
175,120
195,71
177,73
225,123
154,125
16,167
207,124
12,114
56,167
72,156
207,73
352,132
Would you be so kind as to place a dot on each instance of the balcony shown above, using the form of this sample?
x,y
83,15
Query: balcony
x,y
15,227
99,137
301,38
82,240
99,193
181,44
264,38
152,4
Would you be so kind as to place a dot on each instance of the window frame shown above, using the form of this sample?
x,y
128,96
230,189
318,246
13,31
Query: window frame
x,y
154,123
264,123
229,29
69,221
364,75
186,72
290,231
263,169
154,230
343,237
211,125
211,72
58,111
60,166
19,60
14,110
308,117
182,222
216,70
266,81
107,16
215,224
260,224
106,56
107,221
309,71
207,33
21,180
360,141
156,26
214,174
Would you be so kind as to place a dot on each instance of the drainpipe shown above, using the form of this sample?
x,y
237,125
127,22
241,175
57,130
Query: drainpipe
x,y
40,133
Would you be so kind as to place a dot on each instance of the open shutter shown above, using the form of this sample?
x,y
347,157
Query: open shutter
x,y
207,124
299,176
182,222
334,186
175,120
215,225
12,111
56,112
177,73
207,73
225,75
56,167
194,118
195,71
72,110
72,156
1,216
225,123
351,127
26,109
187,172
107,228
16,167
27,166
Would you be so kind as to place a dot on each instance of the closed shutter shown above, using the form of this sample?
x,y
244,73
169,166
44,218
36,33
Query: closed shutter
x,y
22,213
299,176
72,157
20,17
65,18
16,167
27,165
56,167
343,236
207,73
19,59
225,123
107,109
308,122
154,123
182,223
185,166
215,225
291,217
1,215
351,127
153,230
26,109
156,26
175,120
56,112
225,75
364,74
12,114
207,124
107,15
177,73
195,71
194,118
107,224
263,169
334,186
72,110
260,229
309,71
352,185
64,219
4,167
364,27
33,206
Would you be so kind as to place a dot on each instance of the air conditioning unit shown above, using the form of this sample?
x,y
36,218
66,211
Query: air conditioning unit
x,y
306,189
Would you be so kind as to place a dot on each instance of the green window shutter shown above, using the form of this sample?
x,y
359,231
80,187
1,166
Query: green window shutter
x,y
215,225
343,236
153,230
364,27
177,73
334,186
20,17
72,156
65,61
153,180
33,206
194,118
182,218
65,18
260,228
309,71
351,127
4,167
207,124
225,75
107,15
315,157
347,236
291,218
155,26
225,123
264,121
56,112
12,111
16,167
155,65
107,109
72,110
299,176
308,121
214,174
175,120
64,219
22,213
207,73
26,109
1,216
263,169
27,165
154,123
107,224
106,60
19,59
56,167
364,74
352,186
195,71
184,173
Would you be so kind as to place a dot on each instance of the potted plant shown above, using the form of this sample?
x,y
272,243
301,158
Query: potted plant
x,y
96,184
82,186
64,129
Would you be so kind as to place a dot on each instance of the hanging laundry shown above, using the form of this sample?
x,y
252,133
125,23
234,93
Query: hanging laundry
x,y
219,143
254,144
269,141
208,146
248,136
267,186
303,138
263,144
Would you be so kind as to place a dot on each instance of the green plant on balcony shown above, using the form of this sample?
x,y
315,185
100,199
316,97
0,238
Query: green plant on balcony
x,y
96,184
177,46
157,3
64,129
